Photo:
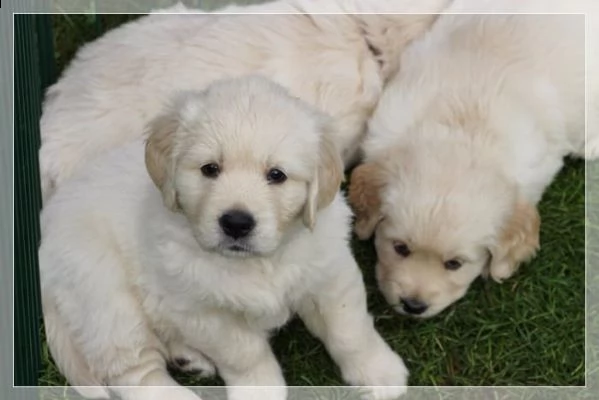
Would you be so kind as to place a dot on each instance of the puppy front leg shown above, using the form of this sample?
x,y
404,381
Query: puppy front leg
x,y
336,313
244,359
245,378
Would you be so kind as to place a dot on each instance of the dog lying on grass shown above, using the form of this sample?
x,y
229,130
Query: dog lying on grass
x,y
338,63
464,142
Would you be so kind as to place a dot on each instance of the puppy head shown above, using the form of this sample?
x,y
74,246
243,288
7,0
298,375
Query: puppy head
x,y
243,161
441,221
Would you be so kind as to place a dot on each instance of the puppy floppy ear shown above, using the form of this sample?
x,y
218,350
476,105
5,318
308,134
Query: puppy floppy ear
x,y
518,242
158,157
327,179
366,183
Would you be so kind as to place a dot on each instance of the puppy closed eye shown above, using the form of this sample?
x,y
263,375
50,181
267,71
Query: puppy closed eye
x,y
275,176
402,249
452,264
211,170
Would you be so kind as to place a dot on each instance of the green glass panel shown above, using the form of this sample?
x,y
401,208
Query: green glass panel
x,y
33,69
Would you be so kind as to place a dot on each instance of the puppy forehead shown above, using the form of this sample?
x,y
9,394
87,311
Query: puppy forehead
x,y
252,122
446,213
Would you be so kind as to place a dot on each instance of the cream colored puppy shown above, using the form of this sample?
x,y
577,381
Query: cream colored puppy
x,y
238,225
337,63
461,147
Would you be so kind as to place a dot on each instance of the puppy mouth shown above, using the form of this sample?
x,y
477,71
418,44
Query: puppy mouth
x,y
430,313
236,249
239,249
400,310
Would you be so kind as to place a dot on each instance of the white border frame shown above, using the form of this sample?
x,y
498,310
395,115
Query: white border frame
x,y
8,7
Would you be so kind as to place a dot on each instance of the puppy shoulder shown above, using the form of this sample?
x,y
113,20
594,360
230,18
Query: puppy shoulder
x,y
334,221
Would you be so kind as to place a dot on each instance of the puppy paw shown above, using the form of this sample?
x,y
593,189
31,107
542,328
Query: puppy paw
x,y
187,359
92,392
382,392
591,151
256,393
381,373
502,270
156,393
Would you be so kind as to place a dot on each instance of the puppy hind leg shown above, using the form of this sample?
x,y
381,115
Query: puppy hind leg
x,y
122,364
67,355
589,146
591,150
138,369
338,316
103,315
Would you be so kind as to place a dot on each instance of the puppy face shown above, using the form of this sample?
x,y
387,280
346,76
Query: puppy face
x,y
440,220
243,161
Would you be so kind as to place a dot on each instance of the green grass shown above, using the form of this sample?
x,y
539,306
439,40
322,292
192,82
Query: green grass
x,y
529,330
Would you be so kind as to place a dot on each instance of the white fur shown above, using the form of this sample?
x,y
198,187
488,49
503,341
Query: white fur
x,y
128,284
116,83
469,134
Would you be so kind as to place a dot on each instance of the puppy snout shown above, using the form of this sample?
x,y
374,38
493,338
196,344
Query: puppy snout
x,y
413,306
237,223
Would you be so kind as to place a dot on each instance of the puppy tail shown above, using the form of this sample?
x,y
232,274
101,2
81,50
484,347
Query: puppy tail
x,y
68,358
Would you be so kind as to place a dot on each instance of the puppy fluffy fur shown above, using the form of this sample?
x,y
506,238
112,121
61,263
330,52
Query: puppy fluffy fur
x,y
337,63
462,145
136,269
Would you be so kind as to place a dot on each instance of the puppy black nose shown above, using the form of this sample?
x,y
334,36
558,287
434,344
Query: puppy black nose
x,y
413,306
236,223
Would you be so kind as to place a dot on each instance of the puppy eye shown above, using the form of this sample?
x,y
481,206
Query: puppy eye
x,y
402,249
210,170
452,265
276,176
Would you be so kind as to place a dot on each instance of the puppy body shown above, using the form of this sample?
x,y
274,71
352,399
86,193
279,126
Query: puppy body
x,y
335,62
127,283
462,145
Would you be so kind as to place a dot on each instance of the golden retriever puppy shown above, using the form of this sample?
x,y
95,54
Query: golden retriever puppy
x,y
461,147
232,224
337,63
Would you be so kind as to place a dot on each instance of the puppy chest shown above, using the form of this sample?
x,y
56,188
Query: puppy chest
x,y
262,295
